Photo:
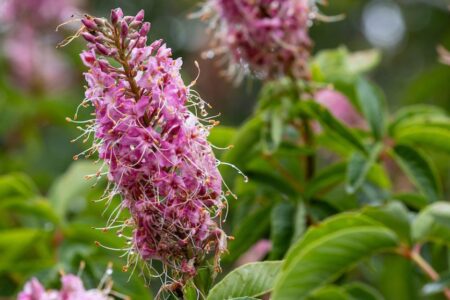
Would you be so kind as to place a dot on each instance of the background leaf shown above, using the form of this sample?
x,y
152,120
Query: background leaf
x,y
71,187
281,229
371,102
433,138
419,170
331,124
327,251
358,167
433,223
361,291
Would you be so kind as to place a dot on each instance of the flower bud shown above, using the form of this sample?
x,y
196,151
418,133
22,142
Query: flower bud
x,y
116,15
141,42
140,16
100,22
123,29
102,49
128,19
145,29
88,37
100,38
135,24
89,23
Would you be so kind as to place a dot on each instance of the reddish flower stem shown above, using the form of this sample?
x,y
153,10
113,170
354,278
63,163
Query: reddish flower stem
x,y
414,255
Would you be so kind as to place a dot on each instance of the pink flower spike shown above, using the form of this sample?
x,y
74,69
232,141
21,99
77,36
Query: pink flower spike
x,y
159,158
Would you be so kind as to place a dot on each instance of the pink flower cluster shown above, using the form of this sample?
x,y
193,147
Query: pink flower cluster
x,y
268,37
72,289
156,149
29,42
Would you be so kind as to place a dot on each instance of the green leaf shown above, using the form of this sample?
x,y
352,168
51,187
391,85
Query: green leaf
x,y
244,142
437,286
40,208
328,250
14,243
204,279
359,166
361,291
433,223
71,186
190,292
341,65
249,231
272,180
273,129
393,215
414,112
80,232
371,102
221,136
250,280
379,176
282,228
16,184
419,170
412,200
396,278
331,124
325,179
363,61
330,293
299,222
433,138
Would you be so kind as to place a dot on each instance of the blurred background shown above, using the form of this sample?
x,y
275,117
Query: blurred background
x,y
40,86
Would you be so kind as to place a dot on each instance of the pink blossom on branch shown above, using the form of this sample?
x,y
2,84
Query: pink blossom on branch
x,y
266,37
256,252
340,107
159,159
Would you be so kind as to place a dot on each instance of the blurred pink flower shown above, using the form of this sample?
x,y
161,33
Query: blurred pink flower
x,y
444,55
72,289
29,42
257,252
340,106
268,38
34,63
41,13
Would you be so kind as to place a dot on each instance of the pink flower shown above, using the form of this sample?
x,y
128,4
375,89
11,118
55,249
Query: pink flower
x,y
268,37
156,149
444,55
35,64
340,107
72,289
42,13
30,40
256,253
